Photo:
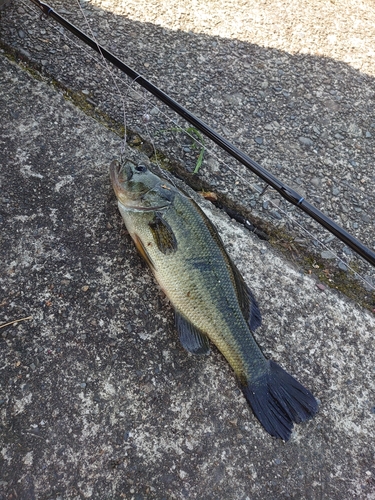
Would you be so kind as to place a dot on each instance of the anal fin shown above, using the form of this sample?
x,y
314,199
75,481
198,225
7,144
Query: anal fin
x,y
192,339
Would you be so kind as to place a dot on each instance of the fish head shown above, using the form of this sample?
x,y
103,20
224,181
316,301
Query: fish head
x,y
137,188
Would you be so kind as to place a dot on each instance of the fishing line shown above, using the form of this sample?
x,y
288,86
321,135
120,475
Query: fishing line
x,y
164,173
297,202
149,103
122,97
286,192
322,244
107,67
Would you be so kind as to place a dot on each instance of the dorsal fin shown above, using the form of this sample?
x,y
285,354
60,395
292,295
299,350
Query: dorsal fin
x,y
246,299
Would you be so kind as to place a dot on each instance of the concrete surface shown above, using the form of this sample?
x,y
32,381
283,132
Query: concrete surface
x,y
98,400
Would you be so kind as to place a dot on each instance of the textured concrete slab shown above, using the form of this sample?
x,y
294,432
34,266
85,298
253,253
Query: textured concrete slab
x,y
98,400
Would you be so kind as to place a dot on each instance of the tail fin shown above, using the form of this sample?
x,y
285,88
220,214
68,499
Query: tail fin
x,y
278,400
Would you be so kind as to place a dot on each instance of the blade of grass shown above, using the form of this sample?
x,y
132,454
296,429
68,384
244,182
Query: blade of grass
x,y
15,321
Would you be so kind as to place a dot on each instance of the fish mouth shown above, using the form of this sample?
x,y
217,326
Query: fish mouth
x,y
136,208
117,180
114,170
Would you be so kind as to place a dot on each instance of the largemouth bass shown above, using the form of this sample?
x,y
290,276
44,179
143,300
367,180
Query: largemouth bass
x,y
212,301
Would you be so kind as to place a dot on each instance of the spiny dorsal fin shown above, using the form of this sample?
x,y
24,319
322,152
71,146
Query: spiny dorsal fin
x,y
163,234
190,337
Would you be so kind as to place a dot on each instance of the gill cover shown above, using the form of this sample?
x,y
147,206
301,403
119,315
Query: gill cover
x,y
137,188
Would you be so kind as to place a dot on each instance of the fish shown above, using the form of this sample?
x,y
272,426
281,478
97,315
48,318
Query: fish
x,y
212,302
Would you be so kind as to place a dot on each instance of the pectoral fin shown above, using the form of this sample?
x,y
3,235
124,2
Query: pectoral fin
x,y
163,235
191,338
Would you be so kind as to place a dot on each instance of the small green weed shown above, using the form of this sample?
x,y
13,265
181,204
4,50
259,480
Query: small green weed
x,y
198,142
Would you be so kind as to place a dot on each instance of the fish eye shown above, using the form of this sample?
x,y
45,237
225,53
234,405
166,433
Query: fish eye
x,y
141,168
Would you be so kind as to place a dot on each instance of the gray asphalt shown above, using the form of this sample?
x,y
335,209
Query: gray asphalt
x,y
98,400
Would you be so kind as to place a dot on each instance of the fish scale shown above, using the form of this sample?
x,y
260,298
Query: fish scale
x,y
210,297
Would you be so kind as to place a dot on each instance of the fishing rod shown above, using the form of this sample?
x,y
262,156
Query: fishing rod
x,y
285,191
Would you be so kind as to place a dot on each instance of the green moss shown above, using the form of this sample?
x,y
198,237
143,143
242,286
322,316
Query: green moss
x,y
324,270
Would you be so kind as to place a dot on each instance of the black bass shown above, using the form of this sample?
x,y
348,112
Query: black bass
x,y
211,300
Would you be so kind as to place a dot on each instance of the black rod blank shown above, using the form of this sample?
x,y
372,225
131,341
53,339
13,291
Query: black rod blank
x,y
284,190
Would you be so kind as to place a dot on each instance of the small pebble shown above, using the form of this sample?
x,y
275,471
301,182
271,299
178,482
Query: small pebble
x,y
365,218
329,239
24,52
306,141
276,214
259,140
343,267
90,101
327,255
316,181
